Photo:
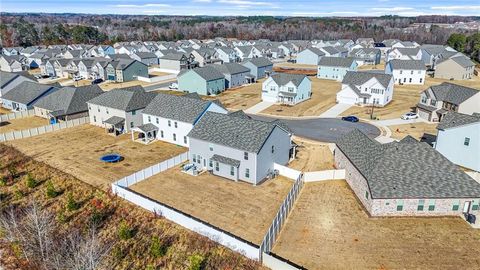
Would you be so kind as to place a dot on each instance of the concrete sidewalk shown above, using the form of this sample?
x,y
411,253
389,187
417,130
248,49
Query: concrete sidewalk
x,y
335,111
399,121
258,107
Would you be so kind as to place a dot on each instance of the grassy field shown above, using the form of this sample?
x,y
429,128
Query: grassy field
x,y
77,151
22,123
312,157
174,247
243,97
323,98
405,98
328,229
415,130
237,207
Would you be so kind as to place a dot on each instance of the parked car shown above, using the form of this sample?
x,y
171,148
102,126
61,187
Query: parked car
x,y
409,115
173,85
97,81
350,118
44,76
77,78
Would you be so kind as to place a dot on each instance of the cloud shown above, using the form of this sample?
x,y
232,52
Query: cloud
x,y
392,9
245,3
318,14
456,8
202,1
141,6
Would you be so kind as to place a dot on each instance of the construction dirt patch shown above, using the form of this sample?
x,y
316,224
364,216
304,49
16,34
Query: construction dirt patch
x,y
237,207
77,151
22,123
106,86
416,130
241,98
328,229
405,99
4,111
324,95
312,157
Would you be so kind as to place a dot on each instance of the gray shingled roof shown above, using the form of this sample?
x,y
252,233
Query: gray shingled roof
x,y
406,169
463,61
226,160
125,99
7,77
355,52
260,62
237,132
454,119
330,61
146,55
173,56
208,73
330,50
26,92
453,93
231,68
181,108
359,78
407,64
408,51
69,100
284,78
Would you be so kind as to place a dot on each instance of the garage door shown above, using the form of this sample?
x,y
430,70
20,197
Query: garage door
x,y
346,100
111,77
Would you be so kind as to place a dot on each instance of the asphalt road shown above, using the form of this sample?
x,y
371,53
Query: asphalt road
x,y
325,129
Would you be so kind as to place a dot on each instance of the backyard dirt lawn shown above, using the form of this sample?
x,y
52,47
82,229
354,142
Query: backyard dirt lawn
x,y
312,157
77,151
243,97
158,73
328,229
237,207
415,130
4,111
405,98
106,86
324,94
22,123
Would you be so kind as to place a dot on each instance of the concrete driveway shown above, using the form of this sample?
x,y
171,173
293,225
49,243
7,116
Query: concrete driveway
x,y
325,129
158,86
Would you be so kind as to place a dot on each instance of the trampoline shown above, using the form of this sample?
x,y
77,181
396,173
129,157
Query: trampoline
x,y
111,158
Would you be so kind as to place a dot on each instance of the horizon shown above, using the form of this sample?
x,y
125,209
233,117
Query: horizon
x,y
247,8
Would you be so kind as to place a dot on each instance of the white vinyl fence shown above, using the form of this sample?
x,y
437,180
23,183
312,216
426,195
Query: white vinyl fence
x,y
324,175
157,78
16,115
26,133
287,172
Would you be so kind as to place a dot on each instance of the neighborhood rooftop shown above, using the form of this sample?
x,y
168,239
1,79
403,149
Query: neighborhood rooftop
x,y
125,99
454,119
453,93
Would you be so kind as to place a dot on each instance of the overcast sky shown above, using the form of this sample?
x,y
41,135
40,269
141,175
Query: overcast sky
x,y
318,8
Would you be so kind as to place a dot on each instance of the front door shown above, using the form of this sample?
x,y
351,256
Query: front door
x,y
466,207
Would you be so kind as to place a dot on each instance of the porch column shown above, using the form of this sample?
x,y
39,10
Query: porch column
x,y
133,137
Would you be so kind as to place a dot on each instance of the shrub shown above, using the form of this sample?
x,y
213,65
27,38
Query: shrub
x,y
196,262
72,205
3,182
18,193
30,181
51,191
156,248
124,231
61,217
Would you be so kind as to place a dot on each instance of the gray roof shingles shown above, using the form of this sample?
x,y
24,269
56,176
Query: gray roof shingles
x,y
454,119
359,78
453,93
330,61
125,99
69,100
26,92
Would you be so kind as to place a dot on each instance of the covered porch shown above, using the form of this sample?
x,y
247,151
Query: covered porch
x,y
147,133
115,125
287,98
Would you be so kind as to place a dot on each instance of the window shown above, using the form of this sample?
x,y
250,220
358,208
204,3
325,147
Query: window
x,y
421,80
194,158
161,133
399,205
433,102
106,110
475,205
131,124
366,195
134,112
410,80
210,163
211,148
98,109
456,205
401,71
247,173
185,139
149,119
273,149
245,155
290,89
175,124
424,99
217,166
431,205
232,170
94,119
174,137
169,123
411,72
466,142
156,120
421,205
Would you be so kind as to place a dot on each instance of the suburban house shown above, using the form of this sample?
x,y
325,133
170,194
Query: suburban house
x,y
366,56
66,103
245,52
99,70
120,110
205,56
259,67
239,148
175,62
405,178
235,74
366,88
125,70
11,63
458,139
335,68
9,80
171,117
11,50
455,68
365,42
310,56
148,58
404,54
23,96
406,71
227,55
437,100
432,53
286,88
333,51
204,81
85,67
105,50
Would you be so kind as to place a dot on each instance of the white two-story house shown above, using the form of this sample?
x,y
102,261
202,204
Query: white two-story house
x,y
286,88
406,71
366,88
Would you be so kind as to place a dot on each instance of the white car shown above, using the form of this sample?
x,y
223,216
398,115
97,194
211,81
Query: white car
x,y
77,78
173,85
409,115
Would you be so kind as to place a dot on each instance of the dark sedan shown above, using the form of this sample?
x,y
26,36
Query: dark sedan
x,y
350,118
